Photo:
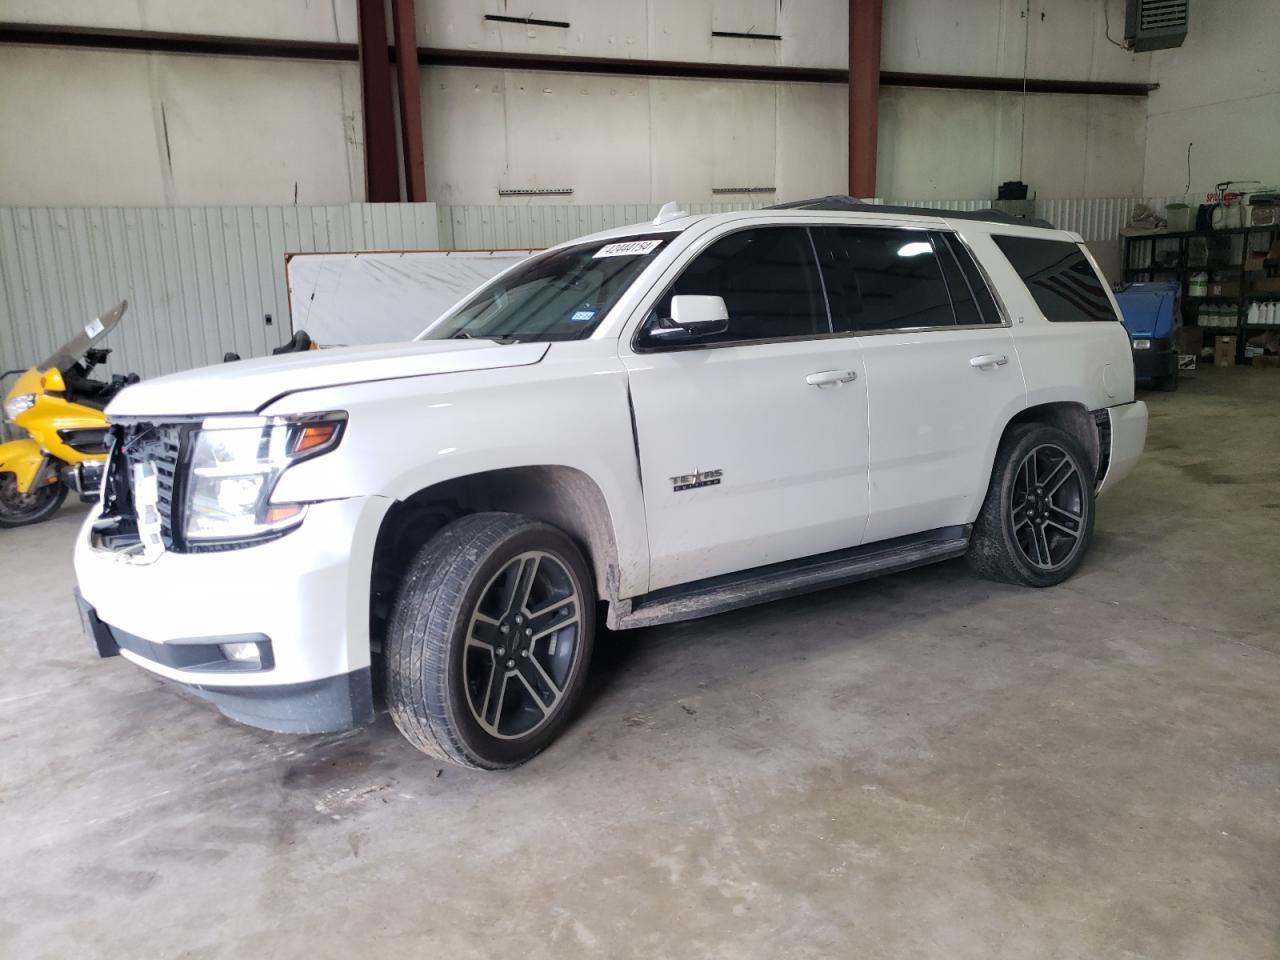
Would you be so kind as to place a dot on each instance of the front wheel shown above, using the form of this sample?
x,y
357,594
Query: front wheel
x,y
22,509
1037,520
489,640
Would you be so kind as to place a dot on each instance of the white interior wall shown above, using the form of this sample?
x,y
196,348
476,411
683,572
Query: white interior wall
x,y
1221,92
85,127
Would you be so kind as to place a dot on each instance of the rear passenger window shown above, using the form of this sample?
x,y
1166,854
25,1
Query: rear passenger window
x,y
1063,282
972,286
883,279
769,280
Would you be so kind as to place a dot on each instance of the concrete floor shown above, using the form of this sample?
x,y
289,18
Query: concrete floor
x,y
923,766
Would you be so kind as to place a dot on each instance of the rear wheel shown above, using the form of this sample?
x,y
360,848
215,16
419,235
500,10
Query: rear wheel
x,y
21,509
1037,520
489,640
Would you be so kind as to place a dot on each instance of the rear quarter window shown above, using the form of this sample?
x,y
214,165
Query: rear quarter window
x,y
1060,278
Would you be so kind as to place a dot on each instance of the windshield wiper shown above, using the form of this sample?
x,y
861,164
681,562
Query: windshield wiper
x,y
463,335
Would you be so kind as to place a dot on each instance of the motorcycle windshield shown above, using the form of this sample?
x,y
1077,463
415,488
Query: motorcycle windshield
x,y
66,356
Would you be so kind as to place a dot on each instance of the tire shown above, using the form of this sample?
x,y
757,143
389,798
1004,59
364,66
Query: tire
x,y
1168,383
35,506
462,605
1015,530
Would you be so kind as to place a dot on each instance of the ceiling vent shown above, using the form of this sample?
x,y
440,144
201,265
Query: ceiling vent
x,y
1155,24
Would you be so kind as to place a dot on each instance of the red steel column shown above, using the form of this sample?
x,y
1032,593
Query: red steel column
x,y
415,175
381,169
864,95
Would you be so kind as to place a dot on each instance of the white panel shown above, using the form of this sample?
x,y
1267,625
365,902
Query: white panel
x,y
1221,92
1063,39
950,143
72,121
279,19
343,298
94,127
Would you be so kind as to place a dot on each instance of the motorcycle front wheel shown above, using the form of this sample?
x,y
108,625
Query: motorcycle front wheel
x,y
22,509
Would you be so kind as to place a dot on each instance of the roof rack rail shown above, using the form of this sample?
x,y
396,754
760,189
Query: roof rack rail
x,y
851,205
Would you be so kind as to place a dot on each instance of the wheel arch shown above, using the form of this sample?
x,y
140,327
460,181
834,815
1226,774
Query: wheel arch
x,y
562,496
1072,417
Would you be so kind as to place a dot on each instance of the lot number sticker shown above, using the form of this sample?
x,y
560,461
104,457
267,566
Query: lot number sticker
x,y
628,248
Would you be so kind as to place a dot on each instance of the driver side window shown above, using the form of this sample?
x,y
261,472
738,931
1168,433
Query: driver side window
x,y
769,282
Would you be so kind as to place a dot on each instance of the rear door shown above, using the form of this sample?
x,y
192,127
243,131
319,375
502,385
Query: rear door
x,y
1071,342
752,443
943,377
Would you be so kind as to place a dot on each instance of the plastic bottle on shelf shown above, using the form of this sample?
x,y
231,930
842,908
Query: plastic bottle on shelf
x,y
1255,315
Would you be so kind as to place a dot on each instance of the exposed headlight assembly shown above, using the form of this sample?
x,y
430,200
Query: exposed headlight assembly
x,y
18,405
235,463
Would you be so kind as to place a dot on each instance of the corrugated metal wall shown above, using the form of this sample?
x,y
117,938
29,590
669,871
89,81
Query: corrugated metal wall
x,y
201,280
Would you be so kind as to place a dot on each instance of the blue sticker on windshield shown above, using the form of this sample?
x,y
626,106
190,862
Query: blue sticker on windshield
x,y
582,316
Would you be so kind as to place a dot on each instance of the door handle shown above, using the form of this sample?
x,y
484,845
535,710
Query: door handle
x,y
826,378
988,361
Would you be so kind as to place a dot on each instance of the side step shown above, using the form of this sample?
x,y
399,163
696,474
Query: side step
x,y
703,598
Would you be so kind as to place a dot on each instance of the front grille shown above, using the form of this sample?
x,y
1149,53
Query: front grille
x,y
163,446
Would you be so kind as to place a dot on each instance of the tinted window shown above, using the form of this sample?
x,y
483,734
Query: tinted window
x,y
973,287
768,279
1060,278
559,295
883,279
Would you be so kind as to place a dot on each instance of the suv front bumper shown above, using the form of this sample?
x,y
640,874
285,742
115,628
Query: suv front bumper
x,y
302,600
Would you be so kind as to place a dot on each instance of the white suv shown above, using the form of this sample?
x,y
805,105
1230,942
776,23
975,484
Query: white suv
x,y
658,423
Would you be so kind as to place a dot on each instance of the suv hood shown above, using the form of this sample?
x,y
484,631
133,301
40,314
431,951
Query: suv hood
x,y
247,386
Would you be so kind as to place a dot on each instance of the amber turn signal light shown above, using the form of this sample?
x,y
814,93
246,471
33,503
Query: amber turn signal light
x,y
277,513
313,436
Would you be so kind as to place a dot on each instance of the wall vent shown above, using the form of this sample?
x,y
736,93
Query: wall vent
x,y
1155,24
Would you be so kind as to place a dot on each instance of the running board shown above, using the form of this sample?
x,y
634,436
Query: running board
x,y
746,588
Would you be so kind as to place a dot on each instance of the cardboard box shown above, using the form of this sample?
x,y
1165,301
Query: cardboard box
x,y
1265,285
1224,352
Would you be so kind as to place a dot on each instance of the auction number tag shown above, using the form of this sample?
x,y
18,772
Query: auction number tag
x,y
627,248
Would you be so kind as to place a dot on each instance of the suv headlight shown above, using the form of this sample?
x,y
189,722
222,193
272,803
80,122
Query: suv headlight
x,y
235,463
18,405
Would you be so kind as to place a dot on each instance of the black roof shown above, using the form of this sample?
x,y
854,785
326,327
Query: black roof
x,y
850,205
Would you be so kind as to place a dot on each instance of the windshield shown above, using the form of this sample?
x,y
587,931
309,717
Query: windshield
x,y
560,295
65,357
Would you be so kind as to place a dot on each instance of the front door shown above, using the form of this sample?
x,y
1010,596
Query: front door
x,y
753,443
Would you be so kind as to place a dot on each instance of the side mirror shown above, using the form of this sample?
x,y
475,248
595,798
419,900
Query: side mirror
x,y
693,316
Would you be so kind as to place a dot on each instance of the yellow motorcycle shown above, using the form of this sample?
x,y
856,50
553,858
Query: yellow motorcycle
x,y
59,407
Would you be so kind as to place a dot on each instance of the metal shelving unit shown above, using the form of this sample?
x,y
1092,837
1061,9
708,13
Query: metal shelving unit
x,y
1222,254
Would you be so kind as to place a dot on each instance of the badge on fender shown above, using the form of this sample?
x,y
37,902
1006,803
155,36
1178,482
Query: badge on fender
x,y
699,478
